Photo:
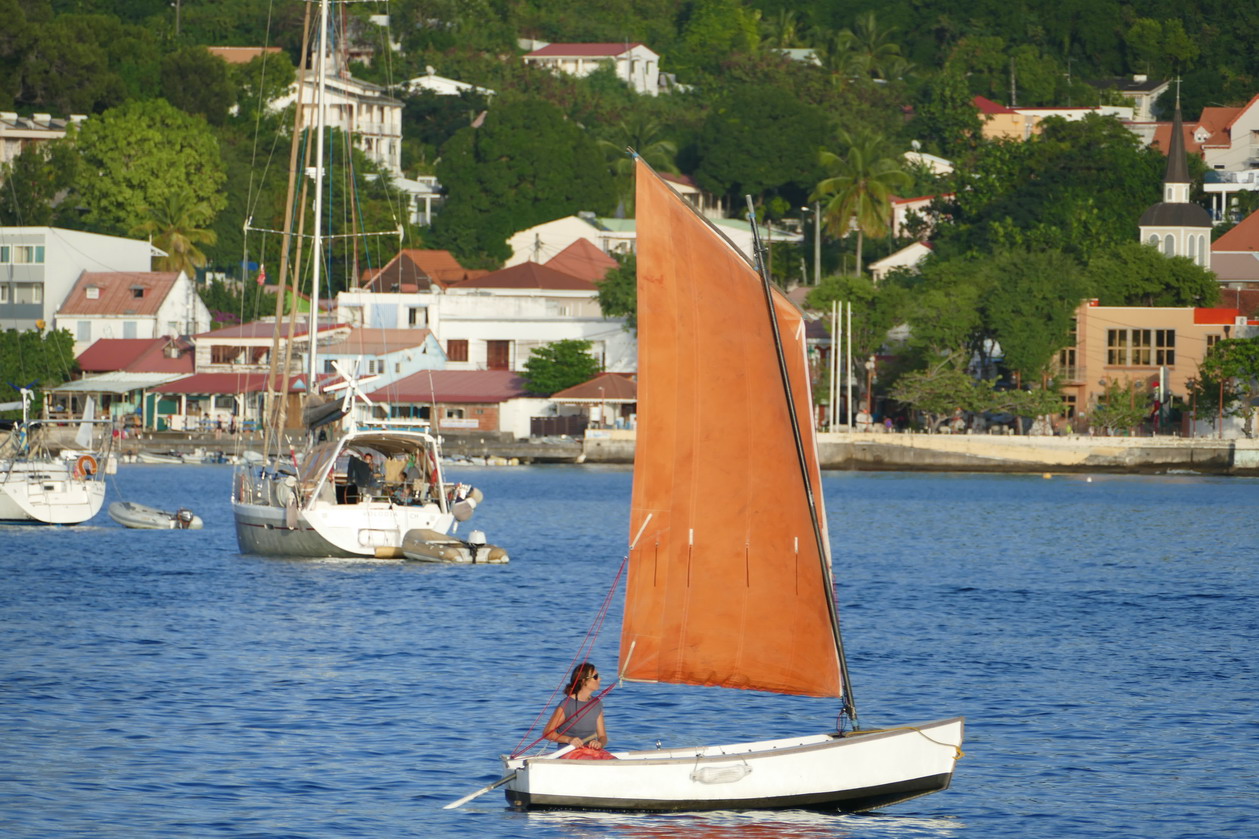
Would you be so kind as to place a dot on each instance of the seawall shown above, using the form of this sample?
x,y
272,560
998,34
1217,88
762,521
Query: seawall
x,y
997,453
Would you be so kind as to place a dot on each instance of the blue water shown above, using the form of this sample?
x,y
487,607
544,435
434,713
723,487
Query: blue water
x,y
1097,634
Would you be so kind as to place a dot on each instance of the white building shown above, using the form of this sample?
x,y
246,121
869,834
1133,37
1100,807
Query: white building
x,y
360,108
633,63
131,304
613,235
386,354
494,322
432,83
39,266
17,132
910,256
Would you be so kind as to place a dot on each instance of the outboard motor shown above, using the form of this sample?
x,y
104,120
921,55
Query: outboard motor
x,y
183,518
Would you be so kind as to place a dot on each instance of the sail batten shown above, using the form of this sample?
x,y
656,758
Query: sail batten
x,y
727,585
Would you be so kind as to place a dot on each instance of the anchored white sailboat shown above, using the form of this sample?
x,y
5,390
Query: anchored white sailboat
x,y
353,492
40,485
729,582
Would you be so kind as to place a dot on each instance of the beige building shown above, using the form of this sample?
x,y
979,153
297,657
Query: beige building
x,y
1136,344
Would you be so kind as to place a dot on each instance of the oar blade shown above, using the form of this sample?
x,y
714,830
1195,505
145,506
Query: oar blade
x,y
482,791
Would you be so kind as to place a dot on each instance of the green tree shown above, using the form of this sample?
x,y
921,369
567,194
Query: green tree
x,y
757,139
139,155
170,227
859,187
33,357
944,306
1030,307
877,54
942,388
67,70
263,80
618,291
33,184
553,367
876,309
646,137
1134,274
233,304
1071,188
198,83
523,166
714,30
945,119
1125,405
1230,373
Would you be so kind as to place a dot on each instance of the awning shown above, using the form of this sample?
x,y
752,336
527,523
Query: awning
x,y
118,383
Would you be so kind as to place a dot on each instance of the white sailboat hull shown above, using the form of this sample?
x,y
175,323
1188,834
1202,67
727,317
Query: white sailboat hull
x,y
860,771
370,529
38,492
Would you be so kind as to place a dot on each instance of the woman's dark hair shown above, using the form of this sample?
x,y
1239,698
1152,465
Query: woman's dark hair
x,y
581,672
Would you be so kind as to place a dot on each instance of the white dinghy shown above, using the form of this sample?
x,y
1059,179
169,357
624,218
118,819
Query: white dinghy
x,y
729,579
143,517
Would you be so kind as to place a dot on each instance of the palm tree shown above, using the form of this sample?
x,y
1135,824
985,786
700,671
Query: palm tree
x,y
873,45
643,134
780,30
171,226
859,190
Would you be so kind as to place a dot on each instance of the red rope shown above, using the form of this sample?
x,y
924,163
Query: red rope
x,y
583,654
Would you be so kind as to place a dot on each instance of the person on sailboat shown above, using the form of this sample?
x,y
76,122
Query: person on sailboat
x,y
578,719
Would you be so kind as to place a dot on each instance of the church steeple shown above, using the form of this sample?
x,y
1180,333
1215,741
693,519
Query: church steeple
x,y
1176,180
1175,225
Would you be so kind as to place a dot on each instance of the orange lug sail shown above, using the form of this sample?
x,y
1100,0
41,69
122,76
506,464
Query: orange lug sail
x,y
729,584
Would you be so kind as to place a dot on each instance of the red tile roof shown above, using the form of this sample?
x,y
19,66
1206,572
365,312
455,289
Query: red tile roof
x,y
119,293
1241,239
987,106
530,275
204,383
453,386
136,355
605,387
616,48
584,260
1162,139
416,269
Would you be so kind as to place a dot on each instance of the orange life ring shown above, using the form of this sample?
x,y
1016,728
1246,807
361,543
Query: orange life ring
x,y
86,465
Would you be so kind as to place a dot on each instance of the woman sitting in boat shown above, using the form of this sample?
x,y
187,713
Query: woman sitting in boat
x,y
578,719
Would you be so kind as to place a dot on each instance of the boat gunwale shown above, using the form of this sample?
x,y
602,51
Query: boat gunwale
x,y
836,739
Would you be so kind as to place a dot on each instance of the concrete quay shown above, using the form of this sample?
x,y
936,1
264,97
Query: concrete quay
x,y
998,453
841,450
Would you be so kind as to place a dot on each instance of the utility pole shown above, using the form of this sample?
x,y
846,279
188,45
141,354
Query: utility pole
x,y
817,242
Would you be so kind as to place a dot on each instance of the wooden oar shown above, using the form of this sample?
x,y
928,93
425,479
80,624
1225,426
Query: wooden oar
x,y
483,790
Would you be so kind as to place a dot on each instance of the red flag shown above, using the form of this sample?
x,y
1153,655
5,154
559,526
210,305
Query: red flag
x,y
262,275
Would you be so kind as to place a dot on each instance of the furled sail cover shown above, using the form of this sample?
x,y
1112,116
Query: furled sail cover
x,y
726,586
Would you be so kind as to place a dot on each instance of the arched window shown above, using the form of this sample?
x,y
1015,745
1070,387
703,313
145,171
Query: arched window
x,y
1169,245
1153,240
1204,258
1193,248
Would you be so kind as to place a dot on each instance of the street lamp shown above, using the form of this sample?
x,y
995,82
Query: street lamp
x,y
816,209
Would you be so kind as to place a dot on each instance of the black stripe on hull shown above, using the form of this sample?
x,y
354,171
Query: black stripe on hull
x,y
850,801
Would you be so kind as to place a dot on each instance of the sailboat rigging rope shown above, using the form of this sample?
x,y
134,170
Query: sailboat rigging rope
x,y
582,654
958,753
